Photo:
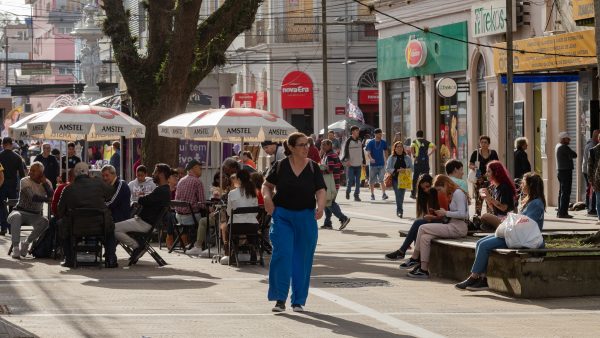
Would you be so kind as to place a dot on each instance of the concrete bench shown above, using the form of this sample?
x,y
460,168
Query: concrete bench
x,y
524,273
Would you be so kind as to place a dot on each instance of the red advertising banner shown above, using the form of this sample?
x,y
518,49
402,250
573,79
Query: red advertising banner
x,y
368,96
297,91
244,100
261,100
340,110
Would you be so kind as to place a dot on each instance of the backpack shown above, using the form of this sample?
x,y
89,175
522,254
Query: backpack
x,y
45,244
423,153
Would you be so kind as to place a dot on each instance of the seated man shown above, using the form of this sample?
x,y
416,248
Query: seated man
x,y
190,189
35,190
152,206
119,202
85,192
142,185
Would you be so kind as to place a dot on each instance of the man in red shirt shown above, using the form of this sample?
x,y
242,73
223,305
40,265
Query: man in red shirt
x,y
190,189
334,166
313,151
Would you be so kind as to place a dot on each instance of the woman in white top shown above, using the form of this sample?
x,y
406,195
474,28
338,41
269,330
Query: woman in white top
x,y
454,225
241,197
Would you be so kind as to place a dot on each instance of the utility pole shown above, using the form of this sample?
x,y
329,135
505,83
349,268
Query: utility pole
x,y
5,56
510,113
325,80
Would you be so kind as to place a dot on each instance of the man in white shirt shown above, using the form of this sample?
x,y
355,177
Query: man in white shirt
x,y
142,185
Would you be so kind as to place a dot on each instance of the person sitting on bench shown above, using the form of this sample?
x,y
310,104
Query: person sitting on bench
x,y
35,190
152,206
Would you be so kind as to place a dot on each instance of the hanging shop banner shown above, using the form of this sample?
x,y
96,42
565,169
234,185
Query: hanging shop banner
x,y
244,100
580,44
193,150
582,9
438,55
368,96
489,18
297,91
446,87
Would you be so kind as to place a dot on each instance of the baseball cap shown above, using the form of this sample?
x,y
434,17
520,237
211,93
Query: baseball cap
x,y
81,168
192,164
563,134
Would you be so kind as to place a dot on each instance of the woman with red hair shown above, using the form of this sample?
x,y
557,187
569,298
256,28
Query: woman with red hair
x,y
501,195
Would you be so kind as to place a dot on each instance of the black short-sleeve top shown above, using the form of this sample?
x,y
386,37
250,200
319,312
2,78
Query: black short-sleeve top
x,y
483,162
504,194
295,192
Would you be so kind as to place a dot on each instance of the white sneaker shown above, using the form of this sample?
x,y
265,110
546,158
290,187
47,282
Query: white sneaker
x,y
195,251
24,248
225,260
16,254
204,254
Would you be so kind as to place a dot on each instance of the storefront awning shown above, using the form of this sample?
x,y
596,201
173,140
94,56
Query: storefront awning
x,y
533,78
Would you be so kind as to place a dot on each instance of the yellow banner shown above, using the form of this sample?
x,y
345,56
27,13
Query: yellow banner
x,y
580,43
582,9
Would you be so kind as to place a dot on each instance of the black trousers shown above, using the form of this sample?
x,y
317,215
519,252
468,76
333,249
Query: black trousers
x,y
564,195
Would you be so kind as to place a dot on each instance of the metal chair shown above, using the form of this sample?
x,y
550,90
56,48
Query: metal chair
x,y
86,224
180,228
249,230
145,238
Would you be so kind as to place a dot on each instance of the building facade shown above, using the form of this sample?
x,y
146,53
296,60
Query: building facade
x,y
458,49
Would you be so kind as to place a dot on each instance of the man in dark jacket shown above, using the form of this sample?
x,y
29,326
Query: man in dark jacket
x,y
14,169
86,192
51,166
152,206
119,202
564,169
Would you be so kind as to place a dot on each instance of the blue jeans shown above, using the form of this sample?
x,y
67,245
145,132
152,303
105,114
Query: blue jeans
x,y
335,210
412,233
7,191
399,196
483,248
294,238
353,180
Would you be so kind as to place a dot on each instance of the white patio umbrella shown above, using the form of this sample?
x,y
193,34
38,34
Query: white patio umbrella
x,y
18,130
227,125
85,122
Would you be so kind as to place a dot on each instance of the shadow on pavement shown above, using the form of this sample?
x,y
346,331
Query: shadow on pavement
x,y
366,234
8,329
339,326
15,264
568,303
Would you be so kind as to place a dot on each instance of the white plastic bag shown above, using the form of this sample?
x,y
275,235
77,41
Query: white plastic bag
x,y
520,231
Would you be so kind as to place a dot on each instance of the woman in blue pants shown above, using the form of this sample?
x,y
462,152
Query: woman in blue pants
x,y
533,206
299,189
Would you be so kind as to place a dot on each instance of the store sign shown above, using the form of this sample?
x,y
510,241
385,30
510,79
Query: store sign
x,y
340,110
415,53
36,69
261,100
443,55
582,9
368,96
446,87
297,91
244,100
5,92
581,44
489,18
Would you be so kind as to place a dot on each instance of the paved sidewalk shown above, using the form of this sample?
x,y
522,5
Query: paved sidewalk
x,y
355,292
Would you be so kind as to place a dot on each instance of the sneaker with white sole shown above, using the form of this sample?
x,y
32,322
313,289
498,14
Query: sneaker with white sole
x,y
344,224
195,251
410,263
297,308
480,284
16,254
466,283
224,260
279,306
24,248
384,197
418,273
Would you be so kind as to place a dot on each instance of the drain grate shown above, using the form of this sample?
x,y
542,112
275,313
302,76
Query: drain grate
x,y
356,283
4,309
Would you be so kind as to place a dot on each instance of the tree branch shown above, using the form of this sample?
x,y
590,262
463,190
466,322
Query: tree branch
x,y
116,26
217,32
160,30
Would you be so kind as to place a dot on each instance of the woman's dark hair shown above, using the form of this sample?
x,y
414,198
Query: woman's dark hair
x,y
258,179
142,169
424,198
291,142
500,176
248,155
247,187
485,137
535,188
394,148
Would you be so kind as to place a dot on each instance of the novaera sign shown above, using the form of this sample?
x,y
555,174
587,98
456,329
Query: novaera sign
x,y
489,18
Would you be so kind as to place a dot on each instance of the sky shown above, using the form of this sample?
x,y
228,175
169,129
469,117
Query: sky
x,y
15,7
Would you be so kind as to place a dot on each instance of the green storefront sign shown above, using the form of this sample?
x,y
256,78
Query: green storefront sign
x,y
443,55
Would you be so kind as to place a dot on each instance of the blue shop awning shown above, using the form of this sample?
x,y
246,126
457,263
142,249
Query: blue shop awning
x,y
531,78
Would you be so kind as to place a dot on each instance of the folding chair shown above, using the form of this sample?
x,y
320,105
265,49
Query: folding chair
x,y
264,220
86,223
144,240
181,228
249,230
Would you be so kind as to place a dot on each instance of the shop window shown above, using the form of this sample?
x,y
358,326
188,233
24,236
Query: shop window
x,y
481,97
451,137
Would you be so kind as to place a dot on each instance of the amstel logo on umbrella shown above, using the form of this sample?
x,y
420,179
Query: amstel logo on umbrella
x,y
201,132
238,131
112,129
278,132
70,127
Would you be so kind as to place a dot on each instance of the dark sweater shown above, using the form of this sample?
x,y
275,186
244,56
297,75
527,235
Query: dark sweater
x,y
155,203
119,203
522,165
564,157
51,167
13,167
